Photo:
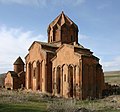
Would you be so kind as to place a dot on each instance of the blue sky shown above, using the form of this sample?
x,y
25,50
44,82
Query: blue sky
x,y
24,21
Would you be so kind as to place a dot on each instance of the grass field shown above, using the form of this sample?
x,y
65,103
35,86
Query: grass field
x,y
24,107
22,101
14,101
112,77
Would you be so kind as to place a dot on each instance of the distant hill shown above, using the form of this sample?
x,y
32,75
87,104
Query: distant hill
x,y
2,78
112,73
112,77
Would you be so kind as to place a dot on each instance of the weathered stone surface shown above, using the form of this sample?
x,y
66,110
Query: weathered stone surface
x,y
63,67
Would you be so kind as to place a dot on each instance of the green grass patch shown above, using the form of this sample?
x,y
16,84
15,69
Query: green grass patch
x,y
22,101
24,107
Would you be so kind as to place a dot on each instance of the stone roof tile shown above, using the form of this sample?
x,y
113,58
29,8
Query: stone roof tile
x,y
19,61
61,20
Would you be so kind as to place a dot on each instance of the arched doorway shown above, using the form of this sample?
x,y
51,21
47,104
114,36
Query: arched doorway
x,y
70,81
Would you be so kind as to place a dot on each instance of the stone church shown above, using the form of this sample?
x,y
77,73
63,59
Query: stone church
x,y
63,67
16,79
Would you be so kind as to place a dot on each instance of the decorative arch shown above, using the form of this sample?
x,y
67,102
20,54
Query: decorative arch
x,y
65,72
65,32
71,65
30,75
34,65
53,78
38,75
78,82
71,79
56,33
64,65
58,79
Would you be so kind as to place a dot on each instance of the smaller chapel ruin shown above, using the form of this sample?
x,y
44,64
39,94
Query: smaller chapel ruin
x,y
63,67
16,79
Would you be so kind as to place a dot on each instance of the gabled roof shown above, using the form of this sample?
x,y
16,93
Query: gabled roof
x,y
13,74
61,20
43,44
19,61
80,50
47,44
26,55
68,45
72,46
63,46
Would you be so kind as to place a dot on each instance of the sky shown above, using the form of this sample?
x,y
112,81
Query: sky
x,y
25,21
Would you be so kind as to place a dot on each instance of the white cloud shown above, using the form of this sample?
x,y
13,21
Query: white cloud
x,y
109,65
112,65
67,2
42,2
25,2
15,42
82,36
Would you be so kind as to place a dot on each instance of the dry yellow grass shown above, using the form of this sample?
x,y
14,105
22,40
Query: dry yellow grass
x,y
112,77
22,101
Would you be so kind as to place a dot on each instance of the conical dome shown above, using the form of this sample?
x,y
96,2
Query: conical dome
x,y
61,20
19,61
62,30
